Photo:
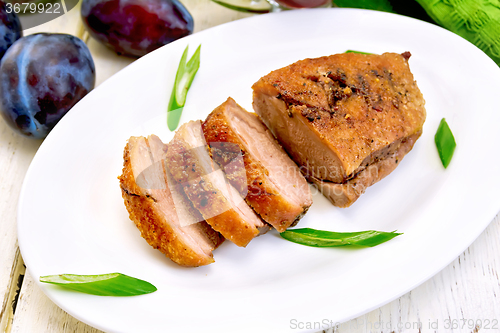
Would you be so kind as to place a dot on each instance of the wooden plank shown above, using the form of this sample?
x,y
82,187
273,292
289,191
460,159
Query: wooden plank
x,y
16,153
35,312
15,156
14,288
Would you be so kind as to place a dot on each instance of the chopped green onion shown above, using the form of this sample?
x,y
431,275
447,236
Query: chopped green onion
x,y
353,51
445,143
183,79
114,284
321,238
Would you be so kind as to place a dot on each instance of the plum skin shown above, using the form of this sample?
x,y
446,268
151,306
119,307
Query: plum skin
x,y
10,28
42,76
136,27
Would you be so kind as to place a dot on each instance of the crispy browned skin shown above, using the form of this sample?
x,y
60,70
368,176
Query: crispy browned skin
x,y
271,183
154,212
189,162
337,115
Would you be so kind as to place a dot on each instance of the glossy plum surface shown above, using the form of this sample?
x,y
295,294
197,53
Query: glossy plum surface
x,y
41,77
10,28
136,27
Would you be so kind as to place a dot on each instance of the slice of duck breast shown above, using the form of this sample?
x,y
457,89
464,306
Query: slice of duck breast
x,y
345,194
160,210
337,115
220,204
274,186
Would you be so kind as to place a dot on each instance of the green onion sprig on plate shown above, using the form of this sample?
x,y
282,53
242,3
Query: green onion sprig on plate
x,y
114,284
183,79
321,238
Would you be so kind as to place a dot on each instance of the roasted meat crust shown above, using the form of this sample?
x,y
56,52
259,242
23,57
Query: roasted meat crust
x,y
154,226
252,179
336,115
222,216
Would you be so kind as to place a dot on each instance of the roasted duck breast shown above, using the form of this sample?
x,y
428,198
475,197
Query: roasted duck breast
x,y
160,210
270,181
338,115
220,204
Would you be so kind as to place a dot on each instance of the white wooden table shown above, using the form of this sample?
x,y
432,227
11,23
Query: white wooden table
x,y
467,289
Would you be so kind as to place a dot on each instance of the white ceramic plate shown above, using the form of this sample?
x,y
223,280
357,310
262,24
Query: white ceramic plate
x,y
72,218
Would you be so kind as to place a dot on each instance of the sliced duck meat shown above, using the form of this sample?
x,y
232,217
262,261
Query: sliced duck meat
x,y
337,115
220,204
270,181
159,208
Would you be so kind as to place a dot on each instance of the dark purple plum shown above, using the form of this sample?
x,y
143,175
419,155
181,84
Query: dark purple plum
x,y
10,28
136,27
41,77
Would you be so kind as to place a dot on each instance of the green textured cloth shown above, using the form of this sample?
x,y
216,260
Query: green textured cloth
x,y
382,5
478,21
